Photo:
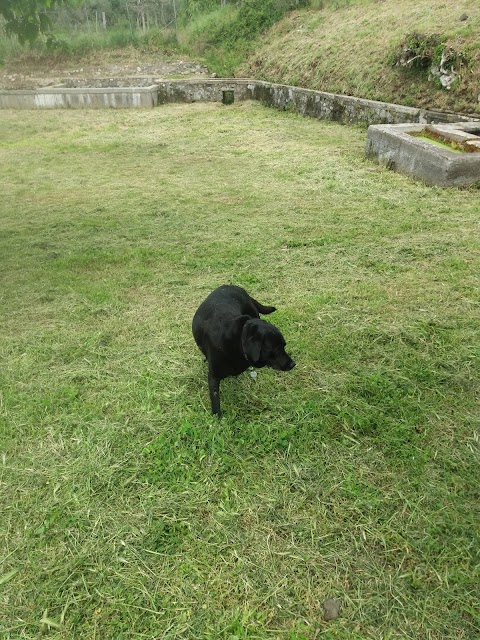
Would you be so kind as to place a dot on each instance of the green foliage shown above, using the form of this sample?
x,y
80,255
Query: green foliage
x,y
208,29
255,16
191,9
225,35
27,19
418,51
421,54
225,62
56,44
156,39
70,45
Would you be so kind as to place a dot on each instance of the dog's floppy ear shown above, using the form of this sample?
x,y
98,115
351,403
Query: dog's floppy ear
x,y
252,341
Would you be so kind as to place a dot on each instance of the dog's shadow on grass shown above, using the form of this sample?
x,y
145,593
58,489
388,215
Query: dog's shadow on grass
x,y
243,397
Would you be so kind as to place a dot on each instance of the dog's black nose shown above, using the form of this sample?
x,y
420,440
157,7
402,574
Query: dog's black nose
x,y
289,366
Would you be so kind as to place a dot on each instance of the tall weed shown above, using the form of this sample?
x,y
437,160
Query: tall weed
x,y
223,35
9,47
209,29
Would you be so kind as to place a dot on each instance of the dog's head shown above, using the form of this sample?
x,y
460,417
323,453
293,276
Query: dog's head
x,y
264,346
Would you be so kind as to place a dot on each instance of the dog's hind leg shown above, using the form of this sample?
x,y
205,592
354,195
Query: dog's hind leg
x,y
214,388
261,308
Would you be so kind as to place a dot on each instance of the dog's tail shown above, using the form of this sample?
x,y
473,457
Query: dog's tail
x,y
262,308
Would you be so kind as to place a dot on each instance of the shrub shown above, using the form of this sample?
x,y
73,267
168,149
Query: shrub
x,y
419,51
255,16
158,39
210,29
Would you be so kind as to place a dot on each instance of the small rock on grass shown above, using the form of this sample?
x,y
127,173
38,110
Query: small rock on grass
x,y
331,609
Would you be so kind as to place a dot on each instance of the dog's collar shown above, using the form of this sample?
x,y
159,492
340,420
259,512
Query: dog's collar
x,y
242,338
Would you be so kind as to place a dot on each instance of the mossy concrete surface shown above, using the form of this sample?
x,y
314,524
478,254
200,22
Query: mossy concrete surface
x,y
395,147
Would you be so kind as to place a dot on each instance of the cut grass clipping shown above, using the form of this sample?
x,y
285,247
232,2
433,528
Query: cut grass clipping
x,y
127,510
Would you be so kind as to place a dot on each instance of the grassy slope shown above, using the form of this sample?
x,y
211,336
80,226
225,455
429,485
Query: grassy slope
x,y
127,511
347,51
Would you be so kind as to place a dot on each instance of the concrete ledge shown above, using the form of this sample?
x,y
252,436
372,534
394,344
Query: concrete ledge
x,y
396,149
466,137
64,98
316,104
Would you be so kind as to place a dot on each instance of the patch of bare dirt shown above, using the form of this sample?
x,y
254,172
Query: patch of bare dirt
x,y
32,74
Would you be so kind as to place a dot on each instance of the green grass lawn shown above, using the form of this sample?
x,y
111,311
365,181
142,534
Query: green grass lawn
x,y
126,510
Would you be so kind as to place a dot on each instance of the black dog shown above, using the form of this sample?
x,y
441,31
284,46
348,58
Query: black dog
x,y
229,332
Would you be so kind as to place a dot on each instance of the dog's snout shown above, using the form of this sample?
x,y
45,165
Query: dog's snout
x,y
289,365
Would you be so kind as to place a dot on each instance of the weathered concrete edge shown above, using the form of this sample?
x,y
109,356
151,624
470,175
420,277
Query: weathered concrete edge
x,y
317,104
392,146
95,98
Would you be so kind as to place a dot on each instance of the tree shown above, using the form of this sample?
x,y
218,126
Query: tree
x,y
27,19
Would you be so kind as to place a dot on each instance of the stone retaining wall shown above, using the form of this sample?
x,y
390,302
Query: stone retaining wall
x,y
316,104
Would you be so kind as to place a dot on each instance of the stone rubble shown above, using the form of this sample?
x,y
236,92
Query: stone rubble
x,y
115,73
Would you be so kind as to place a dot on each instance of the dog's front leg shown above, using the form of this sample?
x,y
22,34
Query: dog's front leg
x,y
214,388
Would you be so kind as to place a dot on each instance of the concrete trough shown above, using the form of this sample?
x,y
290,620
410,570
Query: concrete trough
x,y
80,98
395,147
